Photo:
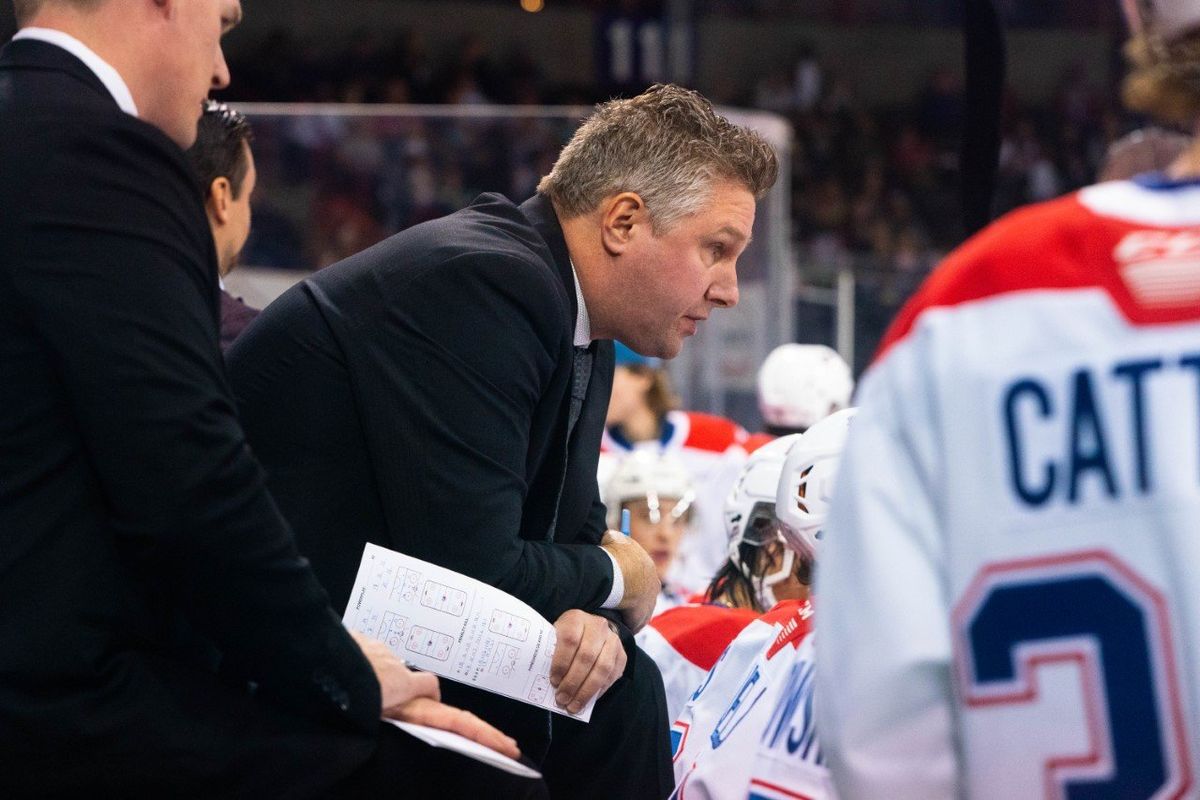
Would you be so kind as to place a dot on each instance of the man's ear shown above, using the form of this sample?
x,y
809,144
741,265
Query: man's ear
x,y
621,218
220,198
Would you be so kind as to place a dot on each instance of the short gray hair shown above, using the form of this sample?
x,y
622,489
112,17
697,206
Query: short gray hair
x,y
24,10
668,145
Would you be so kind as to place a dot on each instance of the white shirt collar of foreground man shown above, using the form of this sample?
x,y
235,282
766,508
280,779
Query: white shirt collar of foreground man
x,y
111,79
583,323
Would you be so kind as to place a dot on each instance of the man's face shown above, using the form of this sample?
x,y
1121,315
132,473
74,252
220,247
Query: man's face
x,y
672,282
192,64
238,225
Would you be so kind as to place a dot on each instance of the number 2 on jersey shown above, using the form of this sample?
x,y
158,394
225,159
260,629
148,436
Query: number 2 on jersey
x,y
1091,610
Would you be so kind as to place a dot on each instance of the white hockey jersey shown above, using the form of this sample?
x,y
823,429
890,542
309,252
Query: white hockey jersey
x,y
710,448
1010,579
747,730
685,642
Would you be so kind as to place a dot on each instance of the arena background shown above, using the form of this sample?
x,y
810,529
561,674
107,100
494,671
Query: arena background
x,y
373,115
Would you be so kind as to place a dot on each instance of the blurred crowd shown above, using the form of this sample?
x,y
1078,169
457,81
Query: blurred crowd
x,y
874,187
878,187
1033,13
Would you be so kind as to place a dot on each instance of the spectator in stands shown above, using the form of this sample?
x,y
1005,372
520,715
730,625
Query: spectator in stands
x,y
224,164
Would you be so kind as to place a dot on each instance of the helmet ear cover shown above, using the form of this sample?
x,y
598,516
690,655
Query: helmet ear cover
x,y
806,483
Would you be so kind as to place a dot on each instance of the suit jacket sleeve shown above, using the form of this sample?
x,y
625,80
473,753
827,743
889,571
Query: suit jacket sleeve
x,y
449,399
116,274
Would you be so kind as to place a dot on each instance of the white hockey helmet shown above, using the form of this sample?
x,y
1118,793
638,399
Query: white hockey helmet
x,y
800,384
650,476
750,513
1166,19
807,481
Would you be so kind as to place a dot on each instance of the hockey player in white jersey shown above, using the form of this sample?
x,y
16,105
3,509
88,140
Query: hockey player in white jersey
x,y
748,729
1010,604
760,570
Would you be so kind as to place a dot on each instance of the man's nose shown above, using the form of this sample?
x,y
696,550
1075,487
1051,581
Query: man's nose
x,y
220,77
723,292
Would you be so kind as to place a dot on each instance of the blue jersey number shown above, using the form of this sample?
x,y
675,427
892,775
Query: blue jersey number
x,y
1090,609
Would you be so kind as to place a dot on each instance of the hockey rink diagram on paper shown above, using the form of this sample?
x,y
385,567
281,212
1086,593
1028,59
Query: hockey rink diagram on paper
x,y
392,630
444,598
406,584
454,626
429,643
539,691
509,625
504,661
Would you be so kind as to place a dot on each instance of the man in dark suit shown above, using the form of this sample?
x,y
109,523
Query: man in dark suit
x,y
443,394
138,545
224,163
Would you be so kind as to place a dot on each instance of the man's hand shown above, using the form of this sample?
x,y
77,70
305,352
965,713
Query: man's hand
x,y
414,697
588,658
424,711
397,683
641,579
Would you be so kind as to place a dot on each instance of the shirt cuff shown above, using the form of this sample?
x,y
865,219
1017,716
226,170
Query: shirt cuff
x,y
618,584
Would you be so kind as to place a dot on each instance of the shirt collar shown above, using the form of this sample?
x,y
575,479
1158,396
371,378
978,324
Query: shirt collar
x,y
583,323
111,79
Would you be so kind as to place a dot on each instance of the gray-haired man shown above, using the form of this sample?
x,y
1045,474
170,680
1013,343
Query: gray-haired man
x,y
446,392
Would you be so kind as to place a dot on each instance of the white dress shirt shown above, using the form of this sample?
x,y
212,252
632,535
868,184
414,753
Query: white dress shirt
x,y
583,338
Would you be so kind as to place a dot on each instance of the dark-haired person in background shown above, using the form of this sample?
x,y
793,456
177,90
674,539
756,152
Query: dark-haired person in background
x,y
224,163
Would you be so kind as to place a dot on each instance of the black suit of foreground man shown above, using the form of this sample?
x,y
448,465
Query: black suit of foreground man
x,y
139,548
443,394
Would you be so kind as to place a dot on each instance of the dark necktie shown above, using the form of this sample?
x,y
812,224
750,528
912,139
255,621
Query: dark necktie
x,y
581,374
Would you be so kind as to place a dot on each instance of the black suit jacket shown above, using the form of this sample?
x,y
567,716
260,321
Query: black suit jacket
x,y
450,346
456,338
137,540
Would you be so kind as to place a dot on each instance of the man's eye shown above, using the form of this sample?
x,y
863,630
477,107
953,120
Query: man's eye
x,y
718,251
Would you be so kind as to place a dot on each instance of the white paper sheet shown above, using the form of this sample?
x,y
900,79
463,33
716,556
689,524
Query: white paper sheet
x,y
461,744
455,626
